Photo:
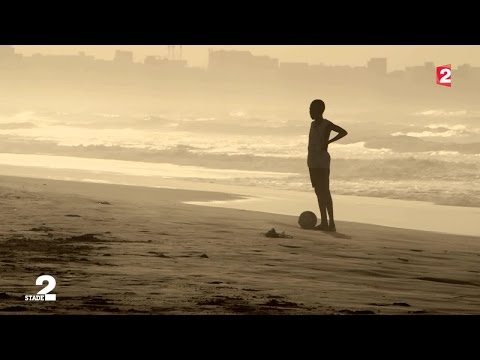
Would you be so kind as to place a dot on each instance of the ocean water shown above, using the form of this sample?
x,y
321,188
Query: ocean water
x,y
427,154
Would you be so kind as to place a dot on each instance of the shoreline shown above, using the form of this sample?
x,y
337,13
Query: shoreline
x,y
444,192
408,214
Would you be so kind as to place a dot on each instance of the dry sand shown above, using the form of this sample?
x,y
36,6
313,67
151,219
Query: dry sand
x,y
117,249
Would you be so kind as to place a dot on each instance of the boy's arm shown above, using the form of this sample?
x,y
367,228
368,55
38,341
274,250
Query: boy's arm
x,y
341,133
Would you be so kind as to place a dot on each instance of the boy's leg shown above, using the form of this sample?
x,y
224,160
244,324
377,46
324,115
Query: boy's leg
x,y
318,178
329,203
330,210
322,205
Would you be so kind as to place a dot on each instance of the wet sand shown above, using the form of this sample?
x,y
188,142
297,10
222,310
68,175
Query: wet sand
x,y
116,249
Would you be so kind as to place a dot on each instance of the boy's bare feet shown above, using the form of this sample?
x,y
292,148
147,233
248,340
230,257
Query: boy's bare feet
x,y
321,227
332,227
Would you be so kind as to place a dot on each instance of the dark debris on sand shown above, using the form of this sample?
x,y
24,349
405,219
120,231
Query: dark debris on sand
x,y
401,304
280,303
357,312
272,233
53,250
85,237
4,296
394,304
41,228
14,308
238,304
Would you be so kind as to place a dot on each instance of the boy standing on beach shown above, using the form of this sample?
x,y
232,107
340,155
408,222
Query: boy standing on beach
x,y
319,161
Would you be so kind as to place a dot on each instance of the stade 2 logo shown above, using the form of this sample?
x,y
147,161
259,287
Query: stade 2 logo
x,y
43,295
444,75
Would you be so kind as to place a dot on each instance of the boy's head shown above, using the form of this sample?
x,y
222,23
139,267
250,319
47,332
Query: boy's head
x,y
317,107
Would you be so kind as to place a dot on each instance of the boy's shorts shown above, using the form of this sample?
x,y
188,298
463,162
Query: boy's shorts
x,y
320,177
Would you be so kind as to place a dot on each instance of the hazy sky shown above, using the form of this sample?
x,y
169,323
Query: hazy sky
x,y
398,56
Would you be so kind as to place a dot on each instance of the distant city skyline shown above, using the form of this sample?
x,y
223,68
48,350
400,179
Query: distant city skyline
x,y
399,56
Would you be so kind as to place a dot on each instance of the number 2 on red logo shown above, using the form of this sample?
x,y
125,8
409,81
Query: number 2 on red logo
x,y
444,75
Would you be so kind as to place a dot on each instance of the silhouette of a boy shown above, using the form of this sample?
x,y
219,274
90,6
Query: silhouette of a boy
x,y
319,161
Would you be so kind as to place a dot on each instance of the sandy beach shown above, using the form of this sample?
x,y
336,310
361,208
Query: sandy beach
x,y
116,249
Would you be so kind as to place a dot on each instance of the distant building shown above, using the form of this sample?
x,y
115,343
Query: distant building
x,y
8,55
264,63
468,72
421,74
377,66
429,66
61,61
429,69
154,60
164,62
294,66
124,57
8,58
397,74
6,51
464,67
234,60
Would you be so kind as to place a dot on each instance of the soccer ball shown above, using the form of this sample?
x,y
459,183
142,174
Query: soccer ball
x,y
307,220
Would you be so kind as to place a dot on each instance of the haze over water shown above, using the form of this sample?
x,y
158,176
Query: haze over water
x,y
408,138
